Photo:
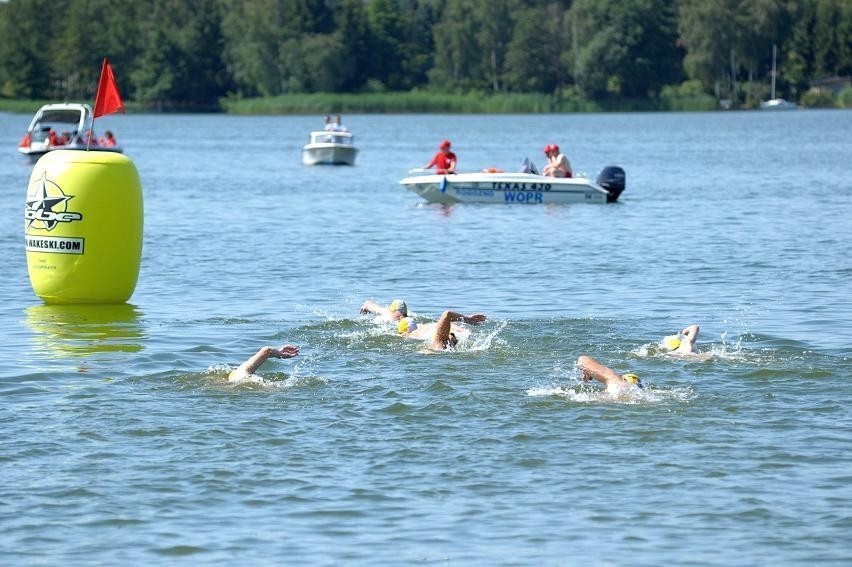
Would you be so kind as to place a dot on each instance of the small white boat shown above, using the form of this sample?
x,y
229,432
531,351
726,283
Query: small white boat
x,y
75,120
516,188
330,148
776,103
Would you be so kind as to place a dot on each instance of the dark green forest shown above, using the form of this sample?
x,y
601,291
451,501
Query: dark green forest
x,y
191,54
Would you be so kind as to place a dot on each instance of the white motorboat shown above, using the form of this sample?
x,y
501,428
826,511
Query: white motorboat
x,y
330,148
776,103
516,188
61,127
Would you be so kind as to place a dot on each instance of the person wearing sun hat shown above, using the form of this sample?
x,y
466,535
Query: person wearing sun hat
x,y
683,342
396,309
616,384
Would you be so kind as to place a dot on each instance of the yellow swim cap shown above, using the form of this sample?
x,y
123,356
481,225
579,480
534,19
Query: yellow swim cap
x,y
398,305
672,342
632,379
406,325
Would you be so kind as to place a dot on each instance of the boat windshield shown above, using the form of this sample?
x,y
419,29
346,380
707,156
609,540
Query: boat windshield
x,y
527,166
332,137
59,120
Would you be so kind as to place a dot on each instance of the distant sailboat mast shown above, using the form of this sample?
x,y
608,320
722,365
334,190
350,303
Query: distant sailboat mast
x,y
774,69
776,103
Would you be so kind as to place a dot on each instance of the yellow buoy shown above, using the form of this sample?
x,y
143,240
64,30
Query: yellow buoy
x,y
83,227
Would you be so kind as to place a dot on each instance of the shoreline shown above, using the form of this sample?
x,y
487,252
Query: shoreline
x,y
416,102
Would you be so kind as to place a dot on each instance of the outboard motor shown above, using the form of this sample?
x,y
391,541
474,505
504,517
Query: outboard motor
x,y
613,179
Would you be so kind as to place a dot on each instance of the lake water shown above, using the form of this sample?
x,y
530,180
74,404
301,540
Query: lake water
x,y
124,442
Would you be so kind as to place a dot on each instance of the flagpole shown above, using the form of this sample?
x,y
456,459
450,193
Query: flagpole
x,y
97,92
91,133
92,128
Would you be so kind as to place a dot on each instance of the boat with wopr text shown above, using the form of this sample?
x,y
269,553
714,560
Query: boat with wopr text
x,y
495,186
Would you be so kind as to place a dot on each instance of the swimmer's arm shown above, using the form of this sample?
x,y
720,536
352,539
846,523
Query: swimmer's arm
x,y
371,306
691,335
251,365
691,332
594,370
444,325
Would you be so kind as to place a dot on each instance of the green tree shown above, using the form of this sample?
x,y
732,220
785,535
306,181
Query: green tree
x,y
533,57
386,37
253,36
352,31
710,39
418,46
26,48
458,60
314,63
158,72
493,37
625,48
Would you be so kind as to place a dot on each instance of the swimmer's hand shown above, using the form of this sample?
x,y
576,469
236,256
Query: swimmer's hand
x,y
285,351
369,307
474,319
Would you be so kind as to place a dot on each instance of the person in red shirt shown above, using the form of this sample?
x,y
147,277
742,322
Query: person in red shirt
x,y
108,141
444,160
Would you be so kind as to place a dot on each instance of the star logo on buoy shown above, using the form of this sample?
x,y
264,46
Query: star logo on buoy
x,y
47,206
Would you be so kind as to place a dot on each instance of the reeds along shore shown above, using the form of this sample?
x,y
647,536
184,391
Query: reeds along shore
x,y
427,102
670,99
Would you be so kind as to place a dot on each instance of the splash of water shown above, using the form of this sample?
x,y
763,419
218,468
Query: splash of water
x,y
590,394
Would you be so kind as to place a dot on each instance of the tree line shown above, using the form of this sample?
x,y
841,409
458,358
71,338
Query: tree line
x,y
190,53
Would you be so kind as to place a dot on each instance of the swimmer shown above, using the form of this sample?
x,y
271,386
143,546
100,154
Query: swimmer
x,y
393,312
616,385
441,335
684,342
247,368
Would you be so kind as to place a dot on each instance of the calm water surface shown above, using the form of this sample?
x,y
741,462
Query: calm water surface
x,y
124,442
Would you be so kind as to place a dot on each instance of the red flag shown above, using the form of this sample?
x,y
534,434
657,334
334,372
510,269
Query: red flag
x,y
107,100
